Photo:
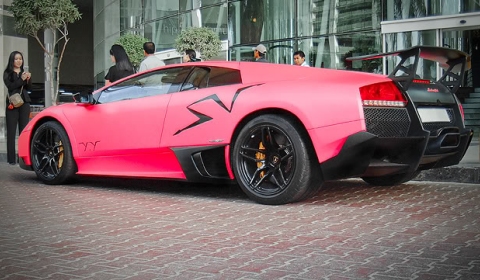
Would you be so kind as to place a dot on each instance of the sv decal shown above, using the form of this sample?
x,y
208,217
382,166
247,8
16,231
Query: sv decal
x,y
89,146
203,117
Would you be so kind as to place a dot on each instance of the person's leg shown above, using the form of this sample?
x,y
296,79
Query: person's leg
x,y
24,116
11,117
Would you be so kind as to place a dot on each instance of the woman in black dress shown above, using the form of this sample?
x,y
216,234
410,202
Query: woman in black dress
x,y
122,68
17,81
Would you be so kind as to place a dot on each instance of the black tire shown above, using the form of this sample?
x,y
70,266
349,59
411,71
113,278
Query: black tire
x,y
272,163
391,180
51,154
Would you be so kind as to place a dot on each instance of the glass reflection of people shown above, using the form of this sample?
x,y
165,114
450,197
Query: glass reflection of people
x,y
17,81
259,53
190,56
150,61
122,68
299,59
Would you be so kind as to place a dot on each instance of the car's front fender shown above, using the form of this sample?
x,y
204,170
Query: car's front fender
x,y
54,113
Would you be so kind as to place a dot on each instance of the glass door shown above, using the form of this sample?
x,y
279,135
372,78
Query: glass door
x,y
403,40
467,41
434,31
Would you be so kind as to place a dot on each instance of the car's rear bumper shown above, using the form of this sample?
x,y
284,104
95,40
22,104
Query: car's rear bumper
x,y
447,149
353,158
365,154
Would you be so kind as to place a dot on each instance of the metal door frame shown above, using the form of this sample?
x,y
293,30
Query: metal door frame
x,y
441,23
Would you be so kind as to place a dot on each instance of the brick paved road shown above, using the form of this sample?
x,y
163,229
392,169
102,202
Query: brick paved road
x,y
131,229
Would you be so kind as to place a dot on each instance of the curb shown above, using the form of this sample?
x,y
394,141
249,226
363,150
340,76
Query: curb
x,y
454,174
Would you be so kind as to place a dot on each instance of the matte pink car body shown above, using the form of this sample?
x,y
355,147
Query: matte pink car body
x,y
279,131
106,142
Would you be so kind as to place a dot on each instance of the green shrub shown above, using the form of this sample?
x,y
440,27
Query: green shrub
x,y
133,45
201,39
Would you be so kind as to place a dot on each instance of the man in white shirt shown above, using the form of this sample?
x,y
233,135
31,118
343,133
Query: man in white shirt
x,y
299,59
150,61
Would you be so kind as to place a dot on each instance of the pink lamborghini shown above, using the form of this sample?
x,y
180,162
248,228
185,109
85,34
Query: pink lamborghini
x,y
278,131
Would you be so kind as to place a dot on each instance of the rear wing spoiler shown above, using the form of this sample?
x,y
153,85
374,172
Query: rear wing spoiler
x,y
454,61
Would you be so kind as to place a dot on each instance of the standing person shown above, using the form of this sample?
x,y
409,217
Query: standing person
x,y
17,81
259,53
190,56
299,59
150,61
122,68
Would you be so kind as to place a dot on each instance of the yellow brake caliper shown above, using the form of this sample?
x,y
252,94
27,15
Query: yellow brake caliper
x,y
60,154
260,156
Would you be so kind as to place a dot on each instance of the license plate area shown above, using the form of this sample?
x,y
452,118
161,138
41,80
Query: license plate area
x,y
433,115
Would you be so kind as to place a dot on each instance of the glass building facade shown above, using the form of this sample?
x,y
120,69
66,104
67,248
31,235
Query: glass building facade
x,y
328,31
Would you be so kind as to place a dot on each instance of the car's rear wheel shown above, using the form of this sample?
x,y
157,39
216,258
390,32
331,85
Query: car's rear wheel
x,y
391,180
51,154
272,163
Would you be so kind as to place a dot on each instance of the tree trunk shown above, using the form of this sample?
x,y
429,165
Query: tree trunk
x,y
49,40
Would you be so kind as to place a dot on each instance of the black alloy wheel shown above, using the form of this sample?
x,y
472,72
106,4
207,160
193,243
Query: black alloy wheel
x,y
51,154
272,163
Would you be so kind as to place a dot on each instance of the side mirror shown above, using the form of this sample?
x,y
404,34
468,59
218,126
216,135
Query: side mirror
x,y
83,97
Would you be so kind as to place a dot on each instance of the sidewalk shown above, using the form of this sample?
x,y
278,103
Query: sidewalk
x,y
3,149
467,171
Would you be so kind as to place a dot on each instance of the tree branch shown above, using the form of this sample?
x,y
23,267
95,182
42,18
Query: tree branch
x,y
39,42
64,32
60,58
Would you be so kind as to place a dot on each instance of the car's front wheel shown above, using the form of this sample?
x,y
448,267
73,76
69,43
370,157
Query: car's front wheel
x,y
51,154
272,163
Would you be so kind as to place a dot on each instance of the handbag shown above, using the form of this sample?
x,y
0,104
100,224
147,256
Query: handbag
x,y
16,99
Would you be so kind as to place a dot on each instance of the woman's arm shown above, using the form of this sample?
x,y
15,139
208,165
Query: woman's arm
x,y
109,76
11,86
29,81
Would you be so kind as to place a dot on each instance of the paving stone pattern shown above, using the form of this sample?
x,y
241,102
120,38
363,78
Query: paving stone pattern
x,y
140,229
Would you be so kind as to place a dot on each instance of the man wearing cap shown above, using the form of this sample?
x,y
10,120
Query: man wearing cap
x,y
259,53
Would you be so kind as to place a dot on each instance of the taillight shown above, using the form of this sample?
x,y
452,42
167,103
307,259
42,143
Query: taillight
x,y
384,94
460,107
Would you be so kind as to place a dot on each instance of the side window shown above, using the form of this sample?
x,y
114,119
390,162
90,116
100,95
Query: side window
x,y
197,79
223,77
117,93
203,77
149,84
